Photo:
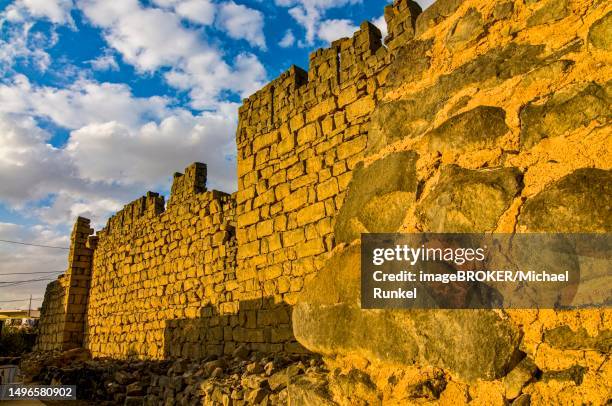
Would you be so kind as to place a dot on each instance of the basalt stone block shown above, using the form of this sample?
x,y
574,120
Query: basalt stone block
x,y
502,11
578,202
391,183
518,377
396,120
411,61
564,112
565,338
552,11
328,319
466,200
434,14
474,129
467,29
600,33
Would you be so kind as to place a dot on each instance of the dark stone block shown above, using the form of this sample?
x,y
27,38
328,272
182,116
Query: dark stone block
x,y
579,202
600,33
565,338
575,374
408,118
328,320
466,200
564,112
410,63
474,129
552,11
434,14
389,182
502,11
466,30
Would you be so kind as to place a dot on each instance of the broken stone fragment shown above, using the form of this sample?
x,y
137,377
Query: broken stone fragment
x,y
466,200
355,387
519,377
309,390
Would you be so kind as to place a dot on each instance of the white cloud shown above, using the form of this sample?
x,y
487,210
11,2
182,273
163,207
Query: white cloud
x,y
331,30
197,11
288,40
309,13
205,76
151,153
82,103
121,146
147,38
241,22
18,44
56,11
105,62
151,39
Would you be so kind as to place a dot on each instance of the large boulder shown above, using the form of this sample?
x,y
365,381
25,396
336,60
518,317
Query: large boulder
x,y
328,319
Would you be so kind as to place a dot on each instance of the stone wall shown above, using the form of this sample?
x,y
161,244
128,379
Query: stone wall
x,y
154,265
211,270
495,117
473,116
298,140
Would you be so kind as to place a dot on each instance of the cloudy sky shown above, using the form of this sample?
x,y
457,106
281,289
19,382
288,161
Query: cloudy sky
x,y
103,100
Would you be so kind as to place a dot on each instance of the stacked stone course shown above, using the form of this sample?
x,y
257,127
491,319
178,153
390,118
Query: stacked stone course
x,y
64,309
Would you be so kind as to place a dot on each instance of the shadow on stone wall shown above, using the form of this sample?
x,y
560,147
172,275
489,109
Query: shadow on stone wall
x,y
261,325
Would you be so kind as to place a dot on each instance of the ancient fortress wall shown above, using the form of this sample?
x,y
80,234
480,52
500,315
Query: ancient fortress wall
x,y
474,116
211,271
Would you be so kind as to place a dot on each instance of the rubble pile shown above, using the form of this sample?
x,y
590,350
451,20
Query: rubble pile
x,y
242,378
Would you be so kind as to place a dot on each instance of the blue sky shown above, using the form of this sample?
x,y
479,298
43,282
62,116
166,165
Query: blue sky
x,y
103,100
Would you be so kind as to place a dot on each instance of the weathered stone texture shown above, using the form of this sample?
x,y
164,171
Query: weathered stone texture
x,y
388,183
465,201
565,111
579,202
